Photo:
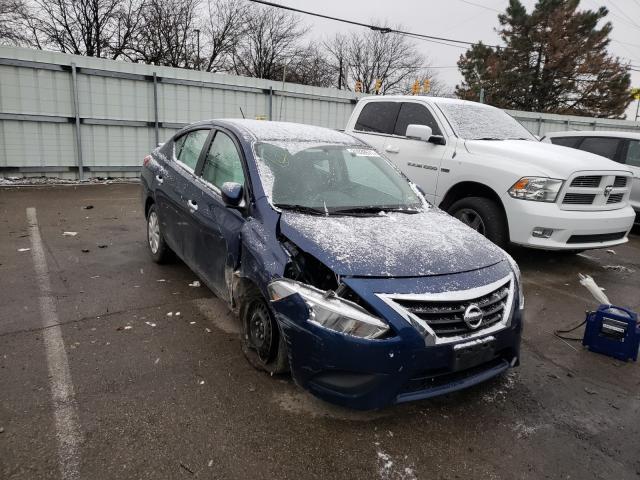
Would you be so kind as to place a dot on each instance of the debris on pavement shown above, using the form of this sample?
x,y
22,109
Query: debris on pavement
x,y
151,324
128,327
87,207
195,283
210,464
192,323
186,468
177,314
208,330
85,250
157,361
589,391
169,314
618,268
612,252
102,245
24,249
69,234
161,280
590,284
200,382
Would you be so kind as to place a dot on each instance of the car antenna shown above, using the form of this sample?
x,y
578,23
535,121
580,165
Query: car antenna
x,y
241,112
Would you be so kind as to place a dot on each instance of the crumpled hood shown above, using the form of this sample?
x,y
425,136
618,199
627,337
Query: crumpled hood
x,y
551,160
391,244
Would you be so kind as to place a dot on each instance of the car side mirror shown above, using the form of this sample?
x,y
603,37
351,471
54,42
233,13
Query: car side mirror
x,y
419,132
231,194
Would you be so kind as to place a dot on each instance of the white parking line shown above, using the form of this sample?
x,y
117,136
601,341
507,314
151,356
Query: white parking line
x,y
64,406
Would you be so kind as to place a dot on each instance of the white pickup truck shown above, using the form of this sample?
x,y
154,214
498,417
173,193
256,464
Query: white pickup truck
x,y
483,167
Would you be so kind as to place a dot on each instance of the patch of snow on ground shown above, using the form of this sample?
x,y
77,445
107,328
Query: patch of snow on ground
x,y
390,469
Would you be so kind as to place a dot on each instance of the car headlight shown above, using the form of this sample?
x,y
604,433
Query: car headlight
x,y
331,312
518,275
538,189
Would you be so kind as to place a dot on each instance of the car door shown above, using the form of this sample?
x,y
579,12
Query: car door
x,y
376,122
631,158
175,185
418,159
216,229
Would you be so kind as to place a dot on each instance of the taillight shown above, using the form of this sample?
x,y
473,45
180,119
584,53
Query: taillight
x,y
146,160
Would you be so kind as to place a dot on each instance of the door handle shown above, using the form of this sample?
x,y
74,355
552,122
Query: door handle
x,y
192,205
159,179
391,149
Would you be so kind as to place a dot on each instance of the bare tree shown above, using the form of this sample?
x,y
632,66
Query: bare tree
x,y
223,26
95,28
309,67
374,55
270,42
167,32
11,12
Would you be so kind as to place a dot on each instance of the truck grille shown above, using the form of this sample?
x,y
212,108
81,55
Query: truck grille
x,y
615,198
592,181
620,182
445,318
578,199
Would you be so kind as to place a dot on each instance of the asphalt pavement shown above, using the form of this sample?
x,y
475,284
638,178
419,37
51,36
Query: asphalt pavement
x,y
114,367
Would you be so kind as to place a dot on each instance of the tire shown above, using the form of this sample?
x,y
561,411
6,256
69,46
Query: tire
x,y
158,248
483,215
269,351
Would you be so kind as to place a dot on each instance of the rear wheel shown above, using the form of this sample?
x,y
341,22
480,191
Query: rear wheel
x,y
262,342
158,248
483,215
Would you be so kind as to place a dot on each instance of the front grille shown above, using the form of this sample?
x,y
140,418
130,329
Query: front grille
x,y
578,198
445,318
615,198
620,182
601,237
587,181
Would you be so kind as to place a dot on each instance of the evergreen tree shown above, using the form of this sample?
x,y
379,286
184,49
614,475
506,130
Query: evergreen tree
x,y
555,60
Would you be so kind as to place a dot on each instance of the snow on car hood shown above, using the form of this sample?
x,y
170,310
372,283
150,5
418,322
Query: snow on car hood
x,y
391,244
550,160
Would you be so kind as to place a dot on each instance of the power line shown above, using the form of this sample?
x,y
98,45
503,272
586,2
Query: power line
x,y
479,6
377,28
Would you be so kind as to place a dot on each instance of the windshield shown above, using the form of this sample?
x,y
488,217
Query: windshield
x,y
332,179
482,122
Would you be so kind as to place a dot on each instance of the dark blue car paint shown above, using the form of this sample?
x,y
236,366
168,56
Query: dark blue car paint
x,y
226,245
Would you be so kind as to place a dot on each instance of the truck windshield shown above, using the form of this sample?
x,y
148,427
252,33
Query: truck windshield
x,y
473,121
332,179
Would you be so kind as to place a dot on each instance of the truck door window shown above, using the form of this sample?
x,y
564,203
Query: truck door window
x,y
415,114
566,141
632,157
378,117
605,146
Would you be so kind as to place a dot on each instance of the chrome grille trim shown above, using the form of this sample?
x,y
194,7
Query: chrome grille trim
x,y
587,181
578,198
620,182
579,194
495,320
615,198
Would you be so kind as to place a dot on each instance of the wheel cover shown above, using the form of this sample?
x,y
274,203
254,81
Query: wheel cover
x,y
261,332
153,228
471,218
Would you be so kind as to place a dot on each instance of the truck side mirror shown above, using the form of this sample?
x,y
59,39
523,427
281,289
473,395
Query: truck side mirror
x,y
419,132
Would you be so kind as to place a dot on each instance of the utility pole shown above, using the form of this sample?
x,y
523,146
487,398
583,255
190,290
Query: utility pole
x,y
340,76
637,109
198,48
481,94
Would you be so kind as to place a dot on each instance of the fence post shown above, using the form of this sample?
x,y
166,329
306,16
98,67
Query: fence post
x,y
270,103
76,110
155,109
539,125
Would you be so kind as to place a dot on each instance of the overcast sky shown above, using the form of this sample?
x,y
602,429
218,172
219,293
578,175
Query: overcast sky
x,y
461,20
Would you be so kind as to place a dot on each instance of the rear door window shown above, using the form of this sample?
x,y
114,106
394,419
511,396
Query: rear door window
x,y
378,117
223,163
415,114
189,146
566,141
605,146
632,158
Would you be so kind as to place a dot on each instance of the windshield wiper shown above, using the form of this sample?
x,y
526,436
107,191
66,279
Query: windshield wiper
x,y
372,209
300,208
488,138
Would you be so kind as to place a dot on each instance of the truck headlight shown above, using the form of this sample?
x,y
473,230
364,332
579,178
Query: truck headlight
x,y
331,312
518,276
538,189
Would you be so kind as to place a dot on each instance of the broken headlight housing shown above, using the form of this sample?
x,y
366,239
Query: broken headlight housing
x,y
330,311
518,277
538,189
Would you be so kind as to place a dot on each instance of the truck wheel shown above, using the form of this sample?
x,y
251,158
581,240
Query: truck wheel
x,y
484,216
262,341
159,250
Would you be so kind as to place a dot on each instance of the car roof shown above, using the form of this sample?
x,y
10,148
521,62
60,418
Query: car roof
x,y
265,130
425,98
595,133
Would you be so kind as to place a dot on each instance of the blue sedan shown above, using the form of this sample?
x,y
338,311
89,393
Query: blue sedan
x,y
340,272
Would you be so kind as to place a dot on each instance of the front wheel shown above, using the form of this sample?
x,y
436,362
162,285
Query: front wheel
x,y
483,215
262,342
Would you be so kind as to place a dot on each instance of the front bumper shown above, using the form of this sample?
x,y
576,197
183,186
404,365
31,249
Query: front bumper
x,y
572,230
369,374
